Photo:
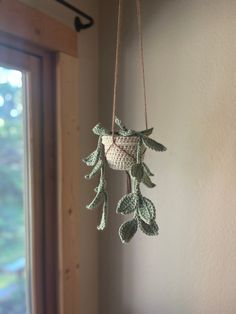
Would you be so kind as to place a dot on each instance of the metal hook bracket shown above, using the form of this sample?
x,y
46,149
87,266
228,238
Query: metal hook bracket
x,y
79,25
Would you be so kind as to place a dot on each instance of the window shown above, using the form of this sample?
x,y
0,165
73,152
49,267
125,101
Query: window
x,y
12,193
28,213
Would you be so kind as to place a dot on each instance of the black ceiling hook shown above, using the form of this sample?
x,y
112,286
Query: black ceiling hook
x,y
79,25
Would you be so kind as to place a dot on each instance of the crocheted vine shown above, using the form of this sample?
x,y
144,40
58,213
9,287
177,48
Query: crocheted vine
x,y
142,208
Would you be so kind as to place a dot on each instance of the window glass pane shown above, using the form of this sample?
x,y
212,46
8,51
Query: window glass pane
x,y
12,193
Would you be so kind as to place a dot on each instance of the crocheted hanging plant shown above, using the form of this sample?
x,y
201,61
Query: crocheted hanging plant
x,y
124,150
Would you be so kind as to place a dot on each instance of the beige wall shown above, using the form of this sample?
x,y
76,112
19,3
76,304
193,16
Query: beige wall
x,y
191,74
87,43
88,89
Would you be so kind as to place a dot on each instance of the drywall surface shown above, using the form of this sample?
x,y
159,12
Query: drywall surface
x,y
87,88
190,50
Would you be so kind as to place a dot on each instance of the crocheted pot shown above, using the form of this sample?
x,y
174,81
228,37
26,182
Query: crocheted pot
x,y
121,153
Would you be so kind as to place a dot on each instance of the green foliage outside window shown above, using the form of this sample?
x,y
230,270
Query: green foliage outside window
x,y
12,220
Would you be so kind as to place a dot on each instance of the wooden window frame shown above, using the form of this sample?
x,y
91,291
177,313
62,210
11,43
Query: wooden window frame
x,y
31,31
41,120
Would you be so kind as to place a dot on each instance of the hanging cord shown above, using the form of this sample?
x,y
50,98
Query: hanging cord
x,y
138,7
116,68
117,60
116,77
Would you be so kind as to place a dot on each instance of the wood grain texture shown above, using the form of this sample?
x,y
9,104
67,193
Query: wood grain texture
x,y
68,182
29,24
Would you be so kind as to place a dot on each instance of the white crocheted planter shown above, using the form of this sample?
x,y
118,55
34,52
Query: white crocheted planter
x,y
121,154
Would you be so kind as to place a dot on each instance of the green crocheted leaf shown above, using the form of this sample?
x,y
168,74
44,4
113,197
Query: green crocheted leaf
x,y
147,181
101,186
147,170
150,143
120,124
149,229
147,132
102,181
100,130
139,152
126,132
137,171
97,200
103,221
92,159
127,204
127,230
95,170
146,210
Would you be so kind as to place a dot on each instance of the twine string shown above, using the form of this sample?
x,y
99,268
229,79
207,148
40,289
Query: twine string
x,y
139,18
117,61
118,39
